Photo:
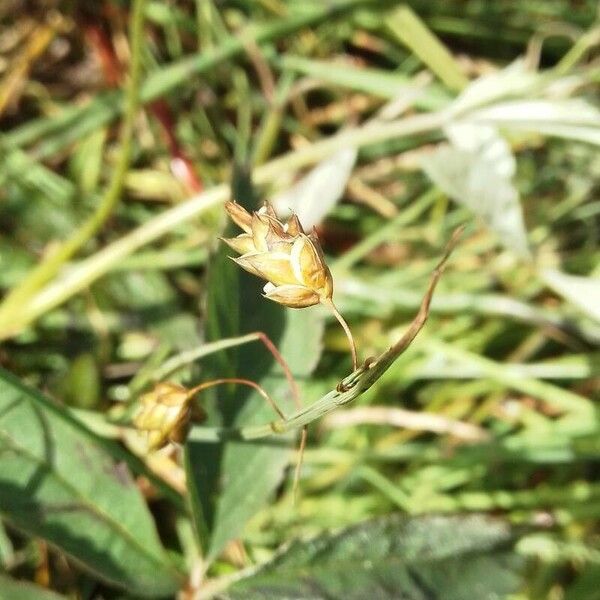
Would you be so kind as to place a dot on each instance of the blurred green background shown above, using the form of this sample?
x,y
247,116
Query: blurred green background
x,y
470,469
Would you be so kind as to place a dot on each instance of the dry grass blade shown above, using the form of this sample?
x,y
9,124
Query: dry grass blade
x,y
387,358
406,419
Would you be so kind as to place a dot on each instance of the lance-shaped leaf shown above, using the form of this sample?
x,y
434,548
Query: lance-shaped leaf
x,y
230,481
58,482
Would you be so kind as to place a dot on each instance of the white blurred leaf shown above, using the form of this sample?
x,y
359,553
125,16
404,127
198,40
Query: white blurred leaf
x,y
573,111
485,141
583,292
514,80
313,196
477,180
571,119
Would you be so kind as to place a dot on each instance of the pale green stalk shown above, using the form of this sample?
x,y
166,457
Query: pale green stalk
x,y
561,399
579,49
188,357
408,27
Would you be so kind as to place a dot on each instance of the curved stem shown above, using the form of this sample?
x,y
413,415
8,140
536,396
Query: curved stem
x,y
298,468
347,331
185,358
252,384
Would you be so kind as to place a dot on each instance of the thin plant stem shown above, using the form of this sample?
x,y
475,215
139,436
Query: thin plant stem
x,y
248,382
369,133
185,358
297,402
347,331
266,340
273,404
404,419
54,260
577,51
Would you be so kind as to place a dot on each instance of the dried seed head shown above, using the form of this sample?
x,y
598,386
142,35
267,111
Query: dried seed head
x,y
291,261
164,414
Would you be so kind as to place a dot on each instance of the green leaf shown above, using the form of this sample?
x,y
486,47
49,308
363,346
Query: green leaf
x,y
585,587
58,482
230,481
377,82
408,27
10,589
81,387
7,551
428,558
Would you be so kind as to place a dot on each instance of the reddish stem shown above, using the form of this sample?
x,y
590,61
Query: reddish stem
x,y
181,166
264,338
248,382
